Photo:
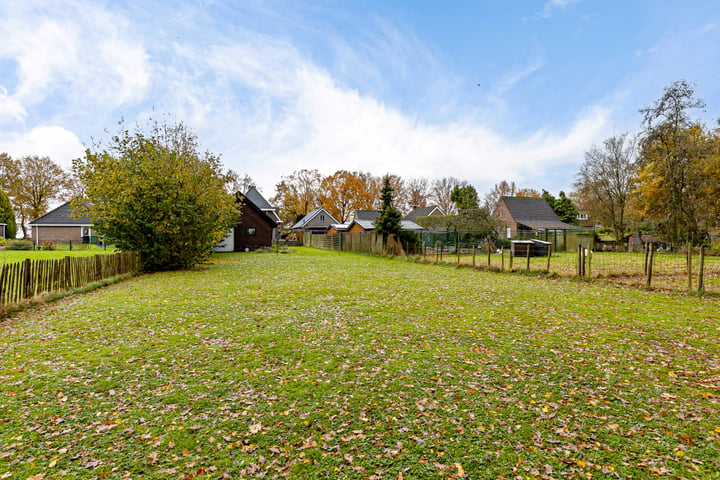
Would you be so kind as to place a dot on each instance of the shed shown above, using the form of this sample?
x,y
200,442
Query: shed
x,y
540,248
537,248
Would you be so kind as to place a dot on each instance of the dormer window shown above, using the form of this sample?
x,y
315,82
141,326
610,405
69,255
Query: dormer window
x,y
322,218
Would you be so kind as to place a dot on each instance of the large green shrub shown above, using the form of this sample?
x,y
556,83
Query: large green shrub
x,y
156,193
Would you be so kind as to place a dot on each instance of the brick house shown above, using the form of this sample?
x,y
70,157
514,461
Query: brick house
x,y
524,216
58,226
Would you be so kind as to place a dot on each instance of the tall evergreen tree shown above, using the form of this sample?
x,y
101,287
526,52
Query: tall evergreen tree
x,y
389,220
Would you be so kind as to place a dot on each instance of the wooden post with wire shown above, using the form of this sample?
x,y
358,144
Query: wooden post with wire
x,y
701,270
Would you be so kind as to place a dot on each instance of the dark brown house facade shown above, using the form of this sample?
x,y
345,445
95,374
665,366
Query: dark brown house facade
x,y
256,229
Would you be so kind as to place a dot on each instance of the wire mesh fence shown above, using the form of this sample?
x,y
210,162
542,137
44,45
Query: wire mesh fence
x,y
690,269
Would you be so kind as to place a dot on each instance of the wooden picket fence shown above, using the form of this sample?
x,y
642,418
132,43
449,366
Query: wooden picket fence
x,y
21,281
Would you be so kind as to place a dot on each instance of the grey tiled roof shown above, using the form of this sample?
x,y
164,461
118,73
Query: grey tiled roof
x,y
367,214
420,212
61,216
535,213
256,197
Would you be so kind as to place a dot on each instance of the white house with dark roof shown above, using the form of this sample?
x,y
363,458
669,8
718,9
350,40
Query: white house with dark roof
x,y
317,221
58,226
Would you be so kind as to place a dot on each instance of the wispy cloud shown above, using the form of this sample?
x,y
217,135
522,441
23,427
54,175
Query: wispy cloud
x,y
511,78
79,54
264,102
551,5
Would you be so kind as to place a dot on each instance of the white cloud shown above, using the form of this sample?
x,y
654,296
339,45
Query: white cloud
x,y
10,108
554,4
264,104
304,119
73,50
61,145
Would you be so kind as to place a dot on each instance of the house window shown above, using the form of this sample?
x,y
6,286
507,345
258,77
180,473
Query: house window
x,y
501,213
322,218
251,231
582,216
508,233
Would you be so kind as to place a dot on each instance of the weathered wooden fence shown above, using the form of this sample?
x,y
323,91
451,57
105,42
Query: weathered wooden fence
x,y
358,242
24,280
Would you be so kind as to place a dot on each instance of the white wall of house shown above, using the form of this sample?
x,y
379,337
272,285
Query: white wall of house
x,y
227,244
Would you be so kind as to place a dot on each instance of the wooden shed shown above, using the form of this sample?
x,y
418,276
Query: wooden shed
x,y
537,248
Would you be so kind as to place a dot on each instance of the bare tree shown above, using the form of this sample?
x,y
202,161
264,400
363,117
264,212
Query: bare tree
x,y
605,181
502,189
441,191
418,190
238,183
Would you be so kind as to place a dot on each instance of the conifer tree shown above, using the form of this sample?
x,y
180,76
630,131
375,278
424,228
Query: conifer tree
x,y
389,220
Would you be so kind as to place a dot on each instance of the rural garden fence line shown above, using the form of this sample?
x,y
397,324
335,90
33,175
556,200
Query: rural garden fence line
x,y
21,281
689,270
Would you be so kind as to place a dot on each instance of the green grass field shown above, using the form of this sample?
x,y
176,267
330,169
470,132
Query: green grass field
x,y
11,256
325,365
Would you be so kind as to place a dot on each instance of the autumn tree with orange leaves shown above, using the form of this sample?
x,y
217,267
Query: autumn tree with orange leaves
x,y
344,192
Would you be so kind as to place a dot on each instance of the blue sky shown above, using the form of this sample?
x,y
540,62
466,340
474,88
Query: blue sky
x,y
481,90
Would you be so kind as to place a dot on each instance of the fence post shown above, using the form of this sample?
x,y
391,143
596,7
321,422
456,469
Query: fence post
x,y
701,270
647,254
424,251
578,268
510,261
473,255
502,259
527,256
650,255
66,271
689,265
98,267
589,262
442,247
547,268
27,278
3,275
488,247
